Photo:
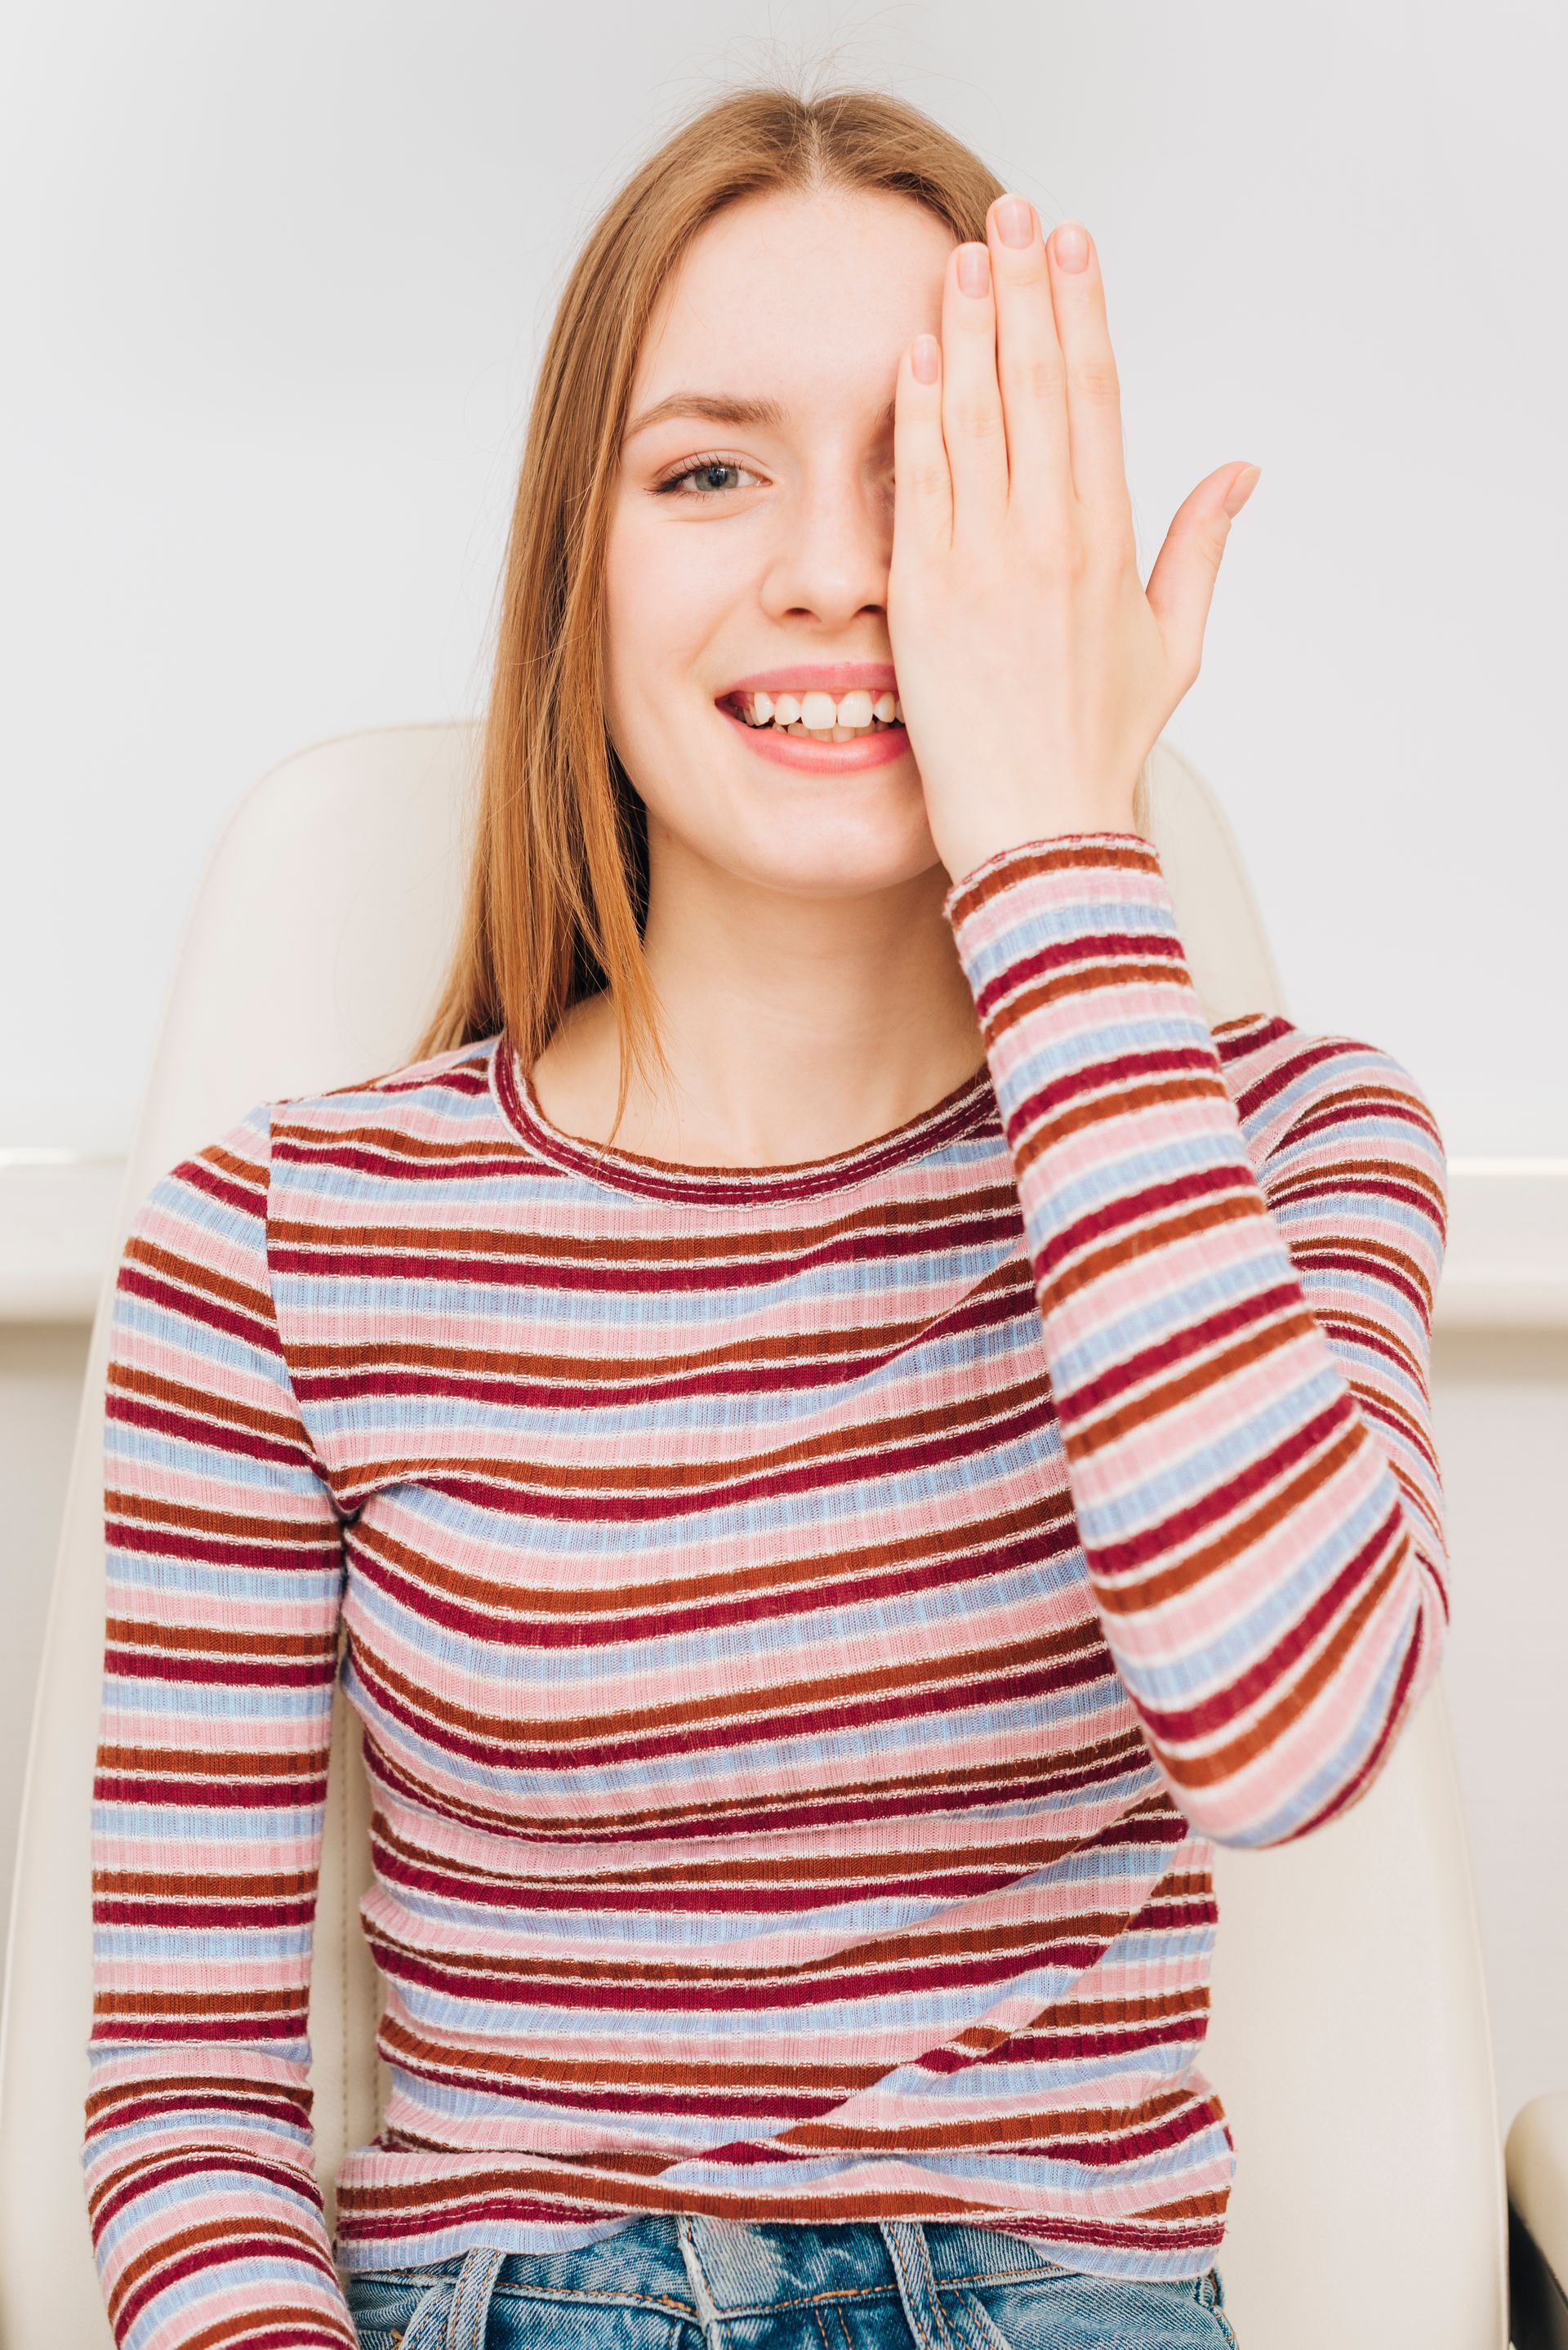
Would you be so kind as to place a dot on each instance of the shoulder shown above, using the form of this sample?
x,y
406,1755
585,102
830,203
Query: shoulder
x,y
421,1106
228,1181
1290,1084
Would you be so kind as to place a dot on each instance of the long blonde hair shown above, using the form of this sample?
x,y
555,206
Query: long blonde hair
x,y
557,890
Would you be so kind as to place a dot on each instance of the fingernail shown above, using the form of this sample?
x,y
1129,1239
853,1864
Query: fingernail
x,y
923,359
1240,489
1015,220
973,269
1072,246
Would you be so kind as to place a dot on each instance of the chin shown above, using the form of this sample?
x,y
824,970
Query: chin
x,y
803,835
835,857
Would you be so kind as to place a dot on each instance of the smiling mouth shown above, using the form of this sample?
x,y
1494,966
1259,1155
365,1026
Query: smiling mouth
x,y
818,717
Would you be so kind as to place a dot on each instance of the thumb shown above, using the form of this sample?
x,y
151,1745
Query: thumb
x,y
1181,586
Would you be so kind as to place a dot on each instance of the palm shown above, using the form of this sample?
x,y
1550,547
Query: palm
x,y
1034,669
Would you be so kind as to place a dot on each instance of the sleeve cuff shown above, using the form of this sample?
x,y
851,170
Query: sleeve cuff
x,y
1112,852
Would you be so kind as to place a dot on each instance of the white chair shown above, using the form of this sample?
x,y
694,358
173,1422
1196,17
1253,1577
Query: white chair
x,y
1349,2036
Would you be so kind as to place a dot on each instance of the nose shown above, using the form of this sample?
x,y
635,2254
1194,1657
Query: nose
x,y
829,556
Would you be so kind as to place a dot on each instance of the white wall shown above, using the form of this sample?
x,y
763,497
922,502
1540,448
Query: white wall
x,y
275,281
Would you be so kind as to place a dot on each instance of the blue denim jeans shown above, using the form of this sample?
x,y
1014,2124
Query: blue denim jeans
x,y
709,2284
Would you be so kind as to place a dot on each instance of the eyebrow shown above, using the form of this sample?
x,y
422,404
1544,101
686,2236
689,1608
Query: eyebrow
x,y
719,407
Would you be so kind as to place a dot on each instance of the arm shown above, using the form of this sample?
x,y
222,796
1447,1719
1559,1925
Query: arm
x,y
224,1576
1240,1367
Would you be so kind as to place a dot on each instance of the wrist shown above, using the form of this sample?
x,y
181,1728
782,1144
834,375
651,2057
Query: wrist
x,y
1098,864
982,849
1070,817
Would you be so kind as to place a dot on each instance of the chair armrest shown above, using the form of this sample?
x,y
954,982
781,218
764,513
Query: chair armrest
x,y
1537,2161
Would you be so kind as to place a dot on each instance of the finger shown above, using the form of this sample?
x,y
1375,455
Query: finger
x,y
1094,390
972,422
1029,363
922,486
1181,586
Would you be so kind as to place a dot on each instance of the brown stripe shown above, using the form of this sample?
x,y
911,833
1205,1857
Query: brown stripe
x,y
1123,1101
204,1640
1269,1510
1049,1511
1041,863
783,1869
1080,1273
211,1762
1128,1410
196,2001
1108,1756
913,1949
207,1406
184,1273
275,1533
1226,1762
765,1703
716,1245
834,1448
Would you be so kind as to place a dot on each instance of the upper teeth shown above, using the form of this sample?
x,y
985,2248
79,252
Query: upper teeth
x,y
822,714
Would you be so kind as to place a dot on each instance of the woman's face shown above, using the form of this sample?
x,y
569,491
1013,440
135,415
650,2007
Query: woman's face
x,y
767,559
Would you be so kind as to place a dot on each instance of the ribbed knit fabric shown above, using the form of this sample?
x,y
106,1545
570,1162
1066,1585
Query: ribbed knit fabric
x,y
809,1624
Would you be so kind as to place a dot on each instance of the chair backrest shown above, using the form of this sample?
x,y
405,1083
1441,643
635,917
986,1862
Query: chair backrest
x,y
1349,2036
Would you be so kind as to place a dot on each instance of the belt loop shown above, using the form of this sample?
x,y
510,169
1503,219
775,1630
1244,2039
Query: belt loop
x,y
468,2318
917,2282
425,2329
708,2316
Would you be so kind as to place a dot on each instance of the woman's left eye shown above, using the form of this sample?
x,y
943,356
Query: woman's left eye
x,y
700,466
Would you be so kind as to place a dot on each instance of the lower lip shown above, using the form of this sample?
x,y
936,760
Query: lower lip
x,y
799,750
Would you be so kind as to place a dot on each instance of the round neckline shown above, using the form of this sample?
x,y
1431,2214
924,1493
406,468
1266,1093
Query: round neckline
x,y
965,1106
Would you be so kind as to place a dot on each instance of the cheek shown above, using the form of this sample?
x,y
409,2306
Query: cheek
x,y
669,588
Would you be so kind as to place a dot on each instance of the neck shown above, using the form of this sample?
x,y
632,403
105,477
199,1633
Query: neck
x,y
795,1025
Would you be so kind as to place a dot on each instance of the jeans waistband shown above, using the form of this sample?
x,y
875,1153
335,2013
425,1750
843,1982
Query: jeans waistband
x,y
721,2269
737,2266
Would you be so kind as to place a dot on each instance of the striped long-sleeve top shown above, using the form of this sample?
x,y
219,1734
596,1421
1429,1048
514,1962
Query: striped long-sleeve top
x,y
810,1624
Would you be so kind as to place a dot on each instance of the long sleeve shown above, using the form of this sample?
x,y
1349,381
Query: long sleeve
x,y
1238,1359
224,1578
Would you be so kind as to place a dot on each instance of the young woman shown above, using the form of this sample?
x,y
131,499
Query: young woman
x,y
848,1434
